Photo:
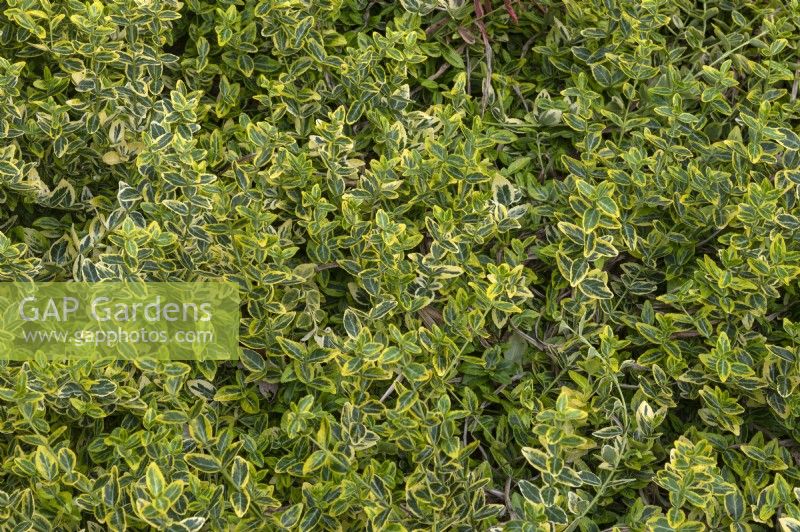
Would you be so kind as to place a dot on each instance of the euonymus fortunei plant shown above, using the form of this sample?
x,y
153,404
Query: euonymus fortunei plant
x,y
530,265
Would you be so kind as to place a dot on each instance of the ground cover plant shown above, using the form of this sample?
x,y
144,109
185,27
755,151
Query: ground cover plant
x,y
510,264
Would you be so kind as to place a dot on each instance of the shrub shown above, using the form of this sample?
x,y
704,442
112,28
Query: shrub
x,y
526,265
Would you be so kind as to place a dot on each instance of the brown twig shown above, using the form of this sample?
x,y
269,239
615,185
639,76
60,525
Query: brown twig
x,y
507,493
366,14
636,367
391,388
436,26
779,312
431,316
326,266
487,81
685,334
243,159
510,11
446,66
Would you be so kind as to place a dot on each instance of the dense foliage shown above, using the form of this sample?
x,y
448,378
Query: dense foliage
x,y
526,265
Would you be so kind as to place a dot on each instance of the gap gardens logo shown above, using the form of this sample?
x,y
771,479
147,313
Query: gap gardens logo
x,y
173,320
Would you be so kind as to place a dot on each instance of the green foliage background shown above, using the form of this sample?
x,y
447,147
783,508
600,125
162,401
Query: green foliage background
x,y
526,265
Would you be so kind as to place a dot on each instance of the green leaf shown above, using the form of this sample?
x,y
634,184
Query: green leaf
x,y
294,349
652,334
382,309
590,220
203,462
314,461
452,57
290,517
352,325
240,502
240,475
573,271
154,479
177,207
594,285
46,463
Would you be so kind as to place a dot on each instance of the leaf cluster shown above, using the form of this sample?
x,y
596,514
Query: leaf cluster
x,y
524,265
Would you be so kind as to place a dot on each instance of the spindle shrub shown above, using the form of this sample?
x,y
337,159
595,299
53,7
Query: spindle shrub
x,y
524,265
